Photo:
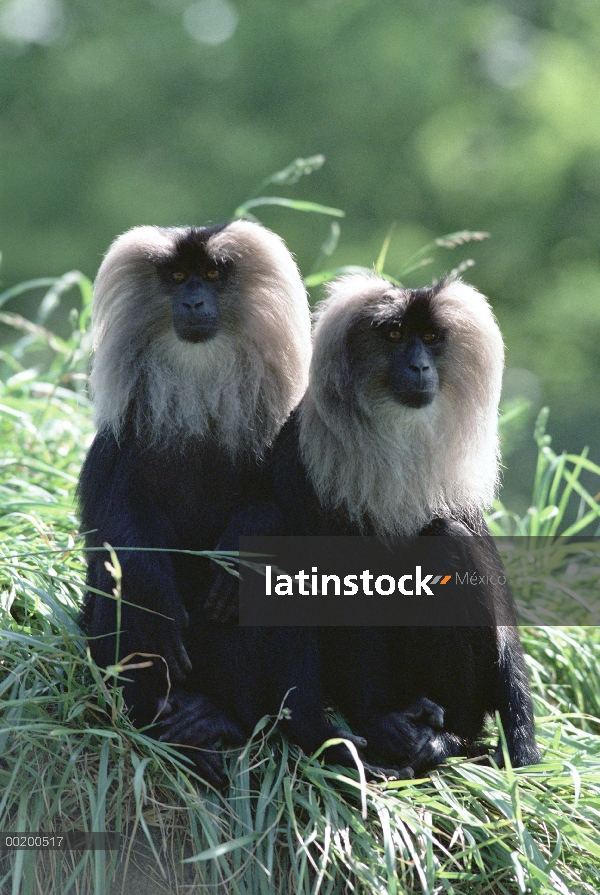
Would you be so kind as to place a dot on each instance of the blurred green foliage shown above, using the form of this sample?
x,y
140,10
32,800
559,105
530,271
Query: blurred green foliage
x,y
437,115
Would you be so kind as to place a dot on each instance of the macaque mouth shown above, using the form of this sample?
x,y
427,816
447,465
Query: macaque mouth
x,y
197,332
417,398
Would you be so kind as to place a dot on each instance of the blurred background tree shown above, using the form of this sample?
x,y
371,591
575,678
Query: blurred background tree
x,y
437,115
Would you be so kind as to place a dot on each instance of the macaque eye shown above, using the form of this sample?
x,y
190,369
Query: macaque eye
x,y
179,276
213,274
395,334
430,338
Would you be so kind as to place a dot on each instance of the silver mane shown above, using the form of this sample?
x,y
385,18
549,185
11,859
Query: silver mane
x,y
239,386
393,466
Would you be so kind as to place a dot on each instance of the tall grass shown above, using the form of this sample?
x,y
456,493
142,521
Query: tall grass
x,y
69,759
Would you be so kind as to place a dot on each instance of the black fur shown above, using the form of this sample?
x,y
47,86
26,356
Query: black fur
x,y
132,496
251,672
376,676
178,497
372,673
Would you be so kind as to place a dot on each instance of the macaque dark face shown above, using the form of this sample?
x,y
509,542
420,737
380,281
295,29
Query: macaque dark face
x,y
399,353
194,279
415,345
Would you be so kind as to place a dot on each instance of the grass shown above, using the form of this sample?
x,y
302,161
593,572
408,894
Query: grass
x,y
69,759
